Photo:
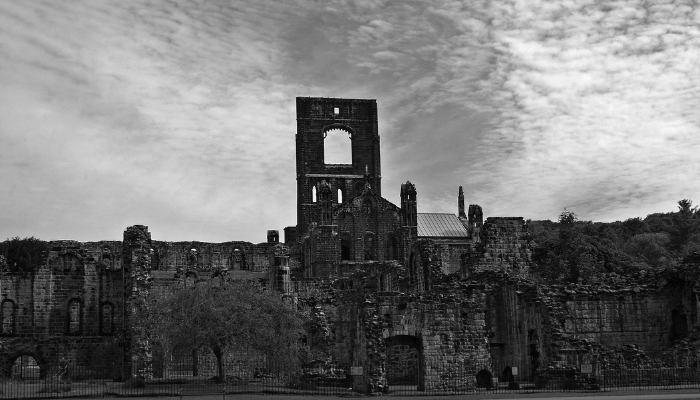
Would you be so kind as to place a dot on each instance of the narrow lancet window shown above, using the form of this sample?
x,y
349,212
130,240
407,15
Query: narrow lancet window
x,y
74,317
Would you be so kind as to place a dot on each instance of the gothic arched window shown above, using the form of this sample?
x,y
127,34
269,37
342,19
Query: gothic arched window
x,y
75,317
239,261
391,247
337,147
369,247
106,319
346,228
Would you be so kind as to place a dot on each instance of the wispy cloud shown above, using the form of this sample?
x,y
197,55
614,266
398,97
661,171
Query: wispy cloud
x,y
595,105
180,114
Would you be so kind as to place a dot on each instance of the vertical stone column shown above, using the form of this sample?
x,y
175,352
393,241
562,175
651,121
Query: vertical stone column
x,y
137,257
375,374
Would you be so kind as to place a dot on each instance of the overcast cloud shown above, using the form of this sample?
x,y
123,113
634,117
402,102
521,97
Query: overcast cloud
x,y
180,115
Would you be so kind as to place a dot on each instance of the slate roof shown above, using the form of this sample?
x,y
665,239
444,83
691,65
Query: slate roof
x,y
440,225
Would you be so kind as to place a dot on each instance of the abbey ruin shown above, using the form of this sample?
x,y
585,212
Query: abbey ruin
x,y
400,295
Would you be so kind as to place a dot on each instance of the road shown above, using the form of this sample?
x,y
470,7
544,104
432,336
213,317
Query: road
x,y
681,394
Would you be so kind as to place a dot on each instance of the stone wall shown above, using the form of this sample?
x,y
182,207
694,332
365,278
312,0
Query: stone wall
x,y
452,252
69,308
520,323
448,328
504,245
172,256
645,320
531,324
358,326
364,229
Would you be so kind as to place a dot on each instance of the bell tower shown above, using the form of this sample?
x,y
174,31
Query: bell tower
x,y
320,121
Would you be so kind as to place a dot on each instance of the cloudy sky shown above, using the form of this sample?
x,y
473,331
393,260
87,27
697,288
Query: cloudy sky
x,y
180,115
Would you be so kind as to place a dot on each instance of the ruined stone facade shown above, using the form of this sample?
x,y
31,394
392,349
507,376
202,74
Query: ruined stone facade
x,y
428,294
79,306
396,296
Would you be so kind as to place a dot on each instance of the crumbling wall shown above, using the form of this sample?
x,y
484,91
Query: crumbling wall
x,y
449,323
75,283
451,253
504,245
235,256
520,323
643,319
532,324
445,323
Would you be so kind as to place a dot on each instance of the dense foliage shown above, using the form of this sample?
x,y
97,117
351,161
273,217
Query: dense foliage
x,y
577,251
222,315
23,255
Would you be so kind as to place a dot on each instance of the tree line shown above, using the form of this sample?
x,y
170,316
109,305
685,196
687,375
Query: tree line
x,y
579,251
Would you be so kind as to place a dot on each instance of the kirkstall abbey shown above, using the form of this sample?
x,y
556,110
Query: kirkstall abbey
x,y
435,289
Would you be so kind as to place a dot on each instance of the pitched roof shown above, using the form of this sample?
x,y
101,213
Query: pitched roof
x,y
440,225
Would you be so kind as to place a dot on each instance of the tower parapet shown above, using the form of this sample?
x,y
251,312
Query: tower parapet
x,y
316,119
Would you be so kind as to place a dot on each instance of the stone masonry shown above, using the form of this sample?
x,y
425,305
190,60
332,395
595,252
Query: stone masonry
x,y
432,305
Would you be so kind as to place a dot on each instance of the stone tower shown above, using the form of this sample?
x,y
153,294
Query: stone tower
x,y
316,119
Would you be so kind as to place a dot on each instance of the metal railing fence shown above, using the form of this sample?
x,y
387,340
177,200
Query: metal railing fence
x,y
329,379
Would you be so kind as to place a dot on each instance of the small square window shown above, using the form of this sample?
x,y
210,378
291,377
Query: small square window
x,y
336,110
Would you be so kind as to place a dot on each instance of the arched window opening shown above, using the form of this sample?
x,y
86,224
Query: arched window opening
x,y
369,247
405,363
417,275
71,262
313,194
106,319
484,379
25,367
337,147
75,317
345,249
391,248
346,228
507,374
679,324
106,260
9,311
326,207
340,196
239,261
426,279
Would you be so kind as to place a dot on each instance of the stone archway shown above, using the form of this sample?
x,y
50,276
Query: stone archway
x,y
25,367
484,379
405,365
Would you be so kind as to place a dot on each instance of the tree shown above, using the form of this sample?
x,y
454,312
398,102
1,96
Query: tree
x,y
24,255
567,218
649,248
686,223
578,251
220,316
